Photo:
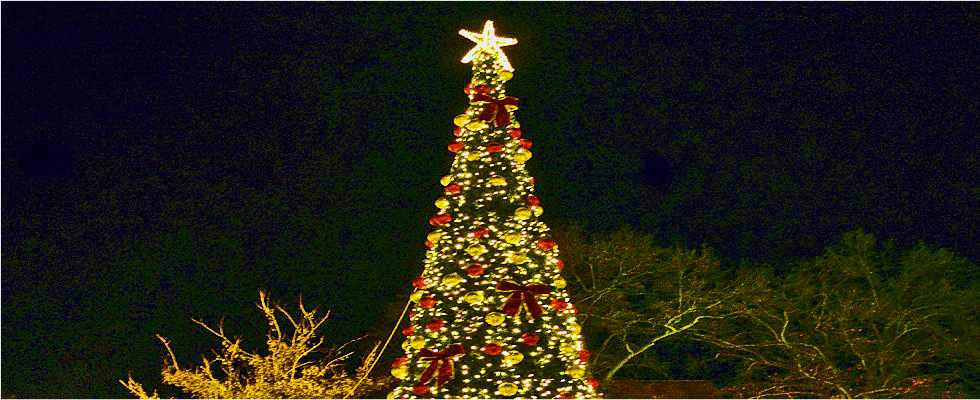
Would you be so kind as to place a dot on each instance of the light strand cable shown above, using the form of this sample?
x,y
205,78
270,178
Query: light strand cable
x,y
382,349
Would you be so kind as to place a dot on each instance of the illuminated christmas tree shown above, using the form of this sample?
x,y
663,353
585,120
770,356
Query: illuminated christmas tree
x,y
491,317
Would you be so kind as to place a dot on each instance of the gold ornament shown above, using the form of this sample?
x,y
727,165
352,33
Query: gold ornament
x,y
446,180
519,258
461,119
522,155
537,210
475,125
495,318
512,237
400,372
560,282
568,349
473,298
574,327
416,296
514,357
476,250
418,343
452,279
474,156
505,75
576,372
434,236
391,395
407,344
497,180
515,124
522,213
507,389
442,203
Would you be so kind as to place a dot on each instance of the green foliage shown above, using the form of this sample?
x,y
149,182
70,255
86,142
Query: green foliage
x,y
289,370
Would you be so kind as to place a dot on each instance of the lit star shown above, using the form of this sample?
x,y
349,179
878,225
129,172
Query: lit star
x,y
490,42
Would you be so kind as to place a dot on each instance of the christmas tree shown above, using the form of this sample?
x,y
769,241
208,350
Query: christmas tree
x,y
491,317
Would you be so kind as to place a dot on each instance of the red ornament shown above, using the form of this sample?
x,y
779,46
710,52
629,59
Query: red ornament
x,y
584,356
420,390
474,270
532,180
514,133
594,382
427,302
526,144
482,89
560,265
434,221
533,200
468,88
479,232
399,362
458,131
411,314
530,339
420,282
558,305
452,188
435,325
565,395
522,297
429,244
546,244
495,147
492,349
455,147
408,331
440,219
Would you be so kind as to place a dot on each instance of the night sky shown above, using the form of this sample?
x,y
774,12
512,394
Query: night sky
x,y
163,161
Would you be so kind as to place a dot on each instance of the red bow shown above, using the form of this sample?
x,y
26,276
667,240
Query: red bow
x,y
496,109
522,296
440,361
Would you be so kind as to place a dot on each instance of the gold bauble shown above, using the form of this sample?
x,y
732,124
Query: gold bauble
x,y
497,180
505,75
476,250
512,237
416,296
515,124
522,213
446,180
560,282
407,344
418,343
442,203
391,395
495,318
514,357
475,125
507,389
537,210
519,258
576,372
400,372
473,297
568,349
474,156
574,327
461,119
434,236
522,155
452,279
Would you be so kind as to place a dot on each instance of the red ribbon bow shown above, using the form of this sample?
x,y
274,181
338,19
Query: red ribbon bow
x,y
523,296
496,109
443,362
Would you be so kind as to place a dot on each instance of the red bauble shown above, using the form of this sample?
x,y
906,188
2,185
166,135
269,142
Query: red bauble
x,y
474,270
546,244
565,395
584,356
495,148
594,382
482,89
530,339
434,221
411,314
429,244
420,282
420,390
514,133
435,325
452,188
468,88
526,144
458,131
399,362
560,265
532,180
558,305
427,302
440,219
455,147
492,349
533,200
480,232
409,331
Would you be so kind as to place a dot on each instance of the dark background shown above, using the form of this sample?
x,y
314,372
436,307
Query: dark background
x,y
164,161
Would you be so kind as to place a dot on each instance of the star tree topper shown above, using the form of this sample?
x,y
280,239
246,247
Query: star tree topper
x,y
489,42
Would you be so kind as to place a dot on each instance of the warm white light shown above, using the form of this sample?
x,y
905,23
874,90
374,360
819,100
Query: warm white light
x,y
488,41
